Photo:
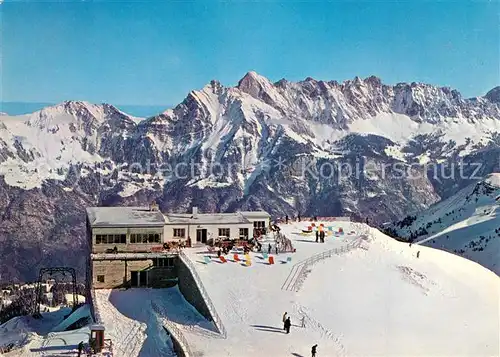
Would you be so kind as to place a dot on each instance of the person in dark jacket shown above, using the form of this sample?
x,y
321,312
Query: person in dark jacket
x,y
286,219
317,236
80,348
288,323
313,350
269,249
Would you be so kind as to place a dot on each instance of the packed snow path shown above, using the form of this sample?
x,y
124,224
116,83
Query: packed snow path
x,y
376,300
134,320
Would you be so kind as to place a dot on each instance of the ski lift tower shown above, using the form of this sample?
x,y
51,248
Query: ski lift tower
x,y
54,271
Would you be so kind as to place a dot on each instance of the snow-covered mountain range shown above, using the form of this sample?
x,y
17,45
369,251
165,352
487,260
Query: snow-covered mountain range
x,y
468,224
360,148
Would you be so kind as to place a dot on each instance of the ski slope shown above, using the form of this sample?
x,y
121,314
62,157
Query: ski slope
x,y
464,224
137,330
80,313
33,337
373,298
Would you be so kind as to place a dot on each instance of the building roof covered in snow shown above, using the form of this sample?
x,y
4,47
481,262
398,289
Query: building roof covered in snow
x,y
124,217
206,218
215,218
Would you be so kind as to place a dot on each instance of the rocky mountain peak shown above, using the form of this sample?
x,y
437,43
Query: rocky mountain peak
x,y
494,95
253,84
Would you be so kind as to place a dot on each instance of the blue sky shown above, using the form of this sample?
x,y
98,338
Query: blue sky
x,y
154,53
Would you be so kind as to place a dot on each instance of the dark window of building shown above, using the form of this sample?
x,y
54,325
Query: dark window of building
x,y
100,278
132,238
144,238
98,239
179,232
117,239
259,224
151,238
157,238
243,233
164,262
224,232
123,239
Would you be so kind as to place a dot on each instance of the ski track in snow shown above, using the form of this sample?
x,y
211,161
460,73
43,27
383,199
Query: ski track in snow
x,y
324,332
130,337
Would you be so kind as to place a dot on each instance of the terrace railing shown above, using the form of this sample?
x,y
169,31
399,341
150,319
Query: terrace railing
x,y
215,316
298,274
172,329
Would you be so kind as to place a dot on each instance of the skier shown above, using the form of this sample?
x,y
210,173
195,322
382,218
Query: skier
x,y
288,323
284,319
313,350
286,219
418,254
276,249
317,236
298,217
269,249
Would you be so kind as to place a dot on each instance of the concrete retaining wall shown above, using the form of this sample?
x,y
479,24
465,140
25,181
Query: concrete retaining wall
x,y
188,288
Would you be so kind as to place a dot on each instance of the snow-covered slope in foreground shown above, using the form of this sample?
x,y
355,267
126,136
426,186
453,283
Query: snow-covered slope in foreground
x,y
375,300
467,223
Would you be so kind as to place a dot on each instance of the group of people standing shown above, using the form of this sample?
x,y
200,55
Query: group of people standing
x,y
298,219
286,326
321,236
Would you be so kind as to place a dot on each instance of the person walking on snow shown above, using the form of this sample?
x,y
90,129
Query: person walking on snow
x,y
286,219
284,319
288,323
317,236
313,350
269,249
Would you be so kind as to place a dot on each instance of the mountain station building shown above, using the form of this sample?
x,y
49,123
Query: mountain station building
x,y
130,246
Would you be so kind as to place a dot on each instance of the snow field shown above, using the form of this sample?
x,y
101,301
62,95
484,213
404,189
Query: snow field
x,y
378,300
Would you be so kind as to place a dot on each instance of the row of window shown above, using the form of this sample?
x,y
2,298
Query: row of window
x,y
223,232
164,262
226,232
111,239
136,238
122,238
259,224
178,233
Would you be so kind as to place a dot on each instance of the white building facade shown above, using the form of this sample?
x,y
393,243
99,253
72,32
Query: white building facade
x,y
201,227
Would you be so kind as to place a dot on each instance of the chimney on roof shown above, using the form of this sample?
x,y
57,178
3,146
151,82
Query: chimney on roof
x,y
153,206
195,212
